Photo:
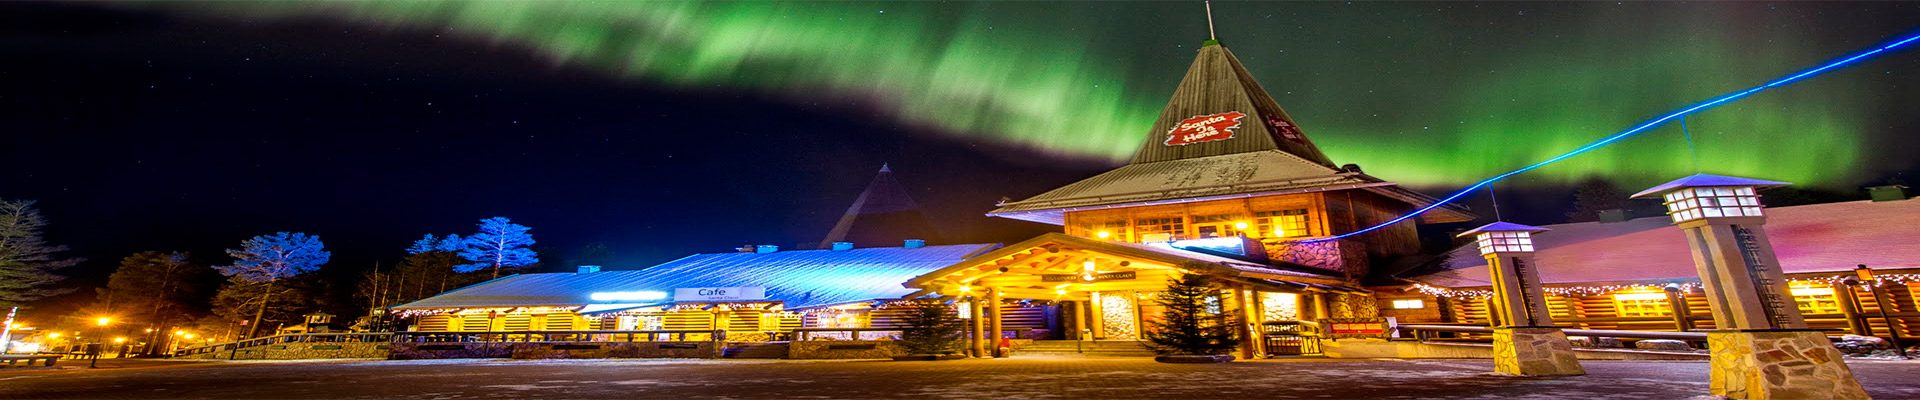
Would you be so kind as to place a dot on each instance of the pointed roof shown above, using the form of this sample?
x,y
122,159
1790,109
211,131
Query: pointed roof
x,y
883,215
1502,226
1218,85
1705,180
1220,136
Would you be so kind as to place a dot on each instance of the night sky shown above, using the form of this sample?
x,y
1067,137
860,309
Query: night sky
x,y
664,129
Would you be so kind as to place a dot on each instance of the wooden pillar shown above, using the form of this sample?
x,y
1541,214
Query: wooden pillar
x,y
977,332
993,303
1096,317
1079,320
1493,310
1677,303
1849,296
1258,318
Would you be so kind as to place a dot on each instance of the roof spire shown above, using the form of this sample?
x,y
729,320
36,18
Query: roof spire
x,y
1210,35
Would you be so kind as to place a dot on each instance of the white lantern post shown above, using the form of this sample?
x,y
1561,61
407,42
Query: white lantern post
x,y
1762,348
1525,342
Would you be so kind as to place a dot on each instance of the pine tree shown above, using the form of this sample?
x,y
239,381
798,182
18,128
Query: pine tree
x,y
932,328
27,262
266,259
500,244
158,288
1192,323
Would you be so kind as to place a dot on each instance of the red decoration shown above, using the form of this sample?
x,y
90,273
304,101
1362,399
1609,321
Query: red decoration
x,y
1204,128
1286,129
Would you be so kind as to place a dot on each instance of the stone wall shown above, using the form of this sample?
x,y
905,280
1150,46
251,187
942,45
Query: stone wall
x,y
1339,256
1534,352
845,349
1780,365
439,350
552,350
301,351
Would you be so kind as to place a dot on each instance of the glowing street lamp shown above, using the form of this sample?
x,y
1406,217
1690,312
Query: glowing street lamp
x,y
104,321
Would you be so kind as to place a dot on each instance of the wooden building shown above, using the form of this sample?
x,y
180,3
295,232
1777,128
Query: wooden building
x,y
1226,183
1638,274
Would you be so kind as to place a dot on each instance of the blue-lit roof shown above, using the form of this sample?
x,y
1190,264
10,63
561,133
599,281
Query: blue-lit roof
x,y
1705,180
800,278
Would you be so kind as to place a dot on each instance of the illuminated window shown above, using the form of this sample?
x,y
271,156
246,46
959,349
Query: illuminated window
x,y
1283,223
1115,230
1175,228
1712,202
1409,304
1815,298
1643,304
1504,242
1212,226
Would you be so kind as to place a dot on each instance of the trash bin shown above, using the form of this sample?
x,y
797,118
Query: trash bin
x,y
1291,338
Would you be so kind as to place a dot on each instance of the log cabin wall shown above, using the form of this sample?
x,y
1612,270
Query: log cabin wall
x,y
1641,310
1351,210
1130,224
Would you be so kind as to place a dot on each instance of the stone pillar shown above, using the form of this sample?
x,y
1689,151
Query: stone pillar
x,y
1779,365
1525,342
1534,351
1762,349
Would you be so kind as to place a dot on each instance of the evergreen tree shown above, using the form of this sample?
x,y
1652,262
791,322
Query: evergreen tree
x,y
932,328
157,288
266,259
500,244
1192,323
27,262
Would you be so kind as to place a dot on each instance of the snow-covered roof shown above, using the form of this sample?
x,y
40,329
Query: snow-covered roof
x,y
1502,226
800,278
1832,237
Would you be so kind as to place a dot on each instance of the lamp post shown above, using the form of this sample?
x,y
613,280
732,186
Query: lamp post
x,y
1880,302
1762,348
94,349
1525,341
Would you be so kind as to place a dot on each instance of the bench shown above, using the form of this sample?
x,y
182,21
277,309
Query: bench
x,y
11,358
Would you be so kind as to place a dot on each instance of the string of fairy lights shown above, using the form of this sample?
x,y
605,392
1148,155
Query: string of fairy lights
x,y
1880,280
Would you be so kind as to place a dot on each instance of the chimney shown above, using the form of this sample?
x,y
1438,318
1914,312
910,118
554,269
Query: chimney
x,y
1613,215
915,243
588,269
1888,192
766,248
842,246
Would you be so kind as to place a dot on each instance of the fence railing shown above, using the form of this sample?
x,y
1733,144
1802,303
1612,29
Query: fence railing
x,y
343,337
559,336
1425,332
805,334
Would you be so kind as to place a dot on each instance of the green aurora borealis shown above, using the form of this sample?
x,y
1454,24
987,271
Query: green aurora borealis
x,y
1431,94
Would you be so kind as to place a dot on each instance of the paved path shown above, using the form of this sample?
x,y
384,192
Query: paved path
x,y
1027,377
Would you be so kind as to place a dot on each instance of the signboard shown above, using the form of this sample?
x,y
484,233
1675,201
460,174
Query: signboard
x,y
1285,129
720,293
1204,128
1110,276
1349,328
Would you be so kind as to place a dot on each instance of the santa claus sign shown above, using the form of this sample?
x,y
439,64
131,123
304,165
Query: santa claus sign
x,y
1204,128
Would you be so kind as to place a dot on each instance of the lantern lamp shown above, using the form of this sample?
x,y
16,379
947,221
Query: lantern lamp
x,y
1503,237
1703,196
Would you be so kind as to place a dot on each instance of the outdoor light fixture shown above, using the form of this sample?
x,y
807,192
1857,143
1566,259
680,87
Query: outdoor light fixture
x,y
179,332
964,289
1706,202
1087,265
1504,237
53,335
615,296
104,321
189,336
1280,232
1240,225
119,340
1103,234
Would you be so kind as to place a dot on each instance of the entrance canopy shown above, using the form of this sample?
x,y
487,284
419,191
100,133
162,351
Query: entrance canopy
x,y
1063,267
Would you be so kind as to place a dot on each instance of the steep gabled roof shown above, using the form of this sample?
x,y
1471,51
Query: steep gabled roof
x,y
1220,135
883,215
801,278
1830,237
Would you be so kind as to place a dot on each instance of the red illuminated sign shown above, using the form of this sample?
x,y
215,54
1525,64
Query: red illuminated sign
x,y
1204,128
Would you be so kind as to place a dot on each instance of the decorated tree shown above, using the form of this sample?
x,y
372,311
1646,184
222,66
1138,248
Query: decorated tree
x,y
266,259
1193,323
500,244
932,328
27,262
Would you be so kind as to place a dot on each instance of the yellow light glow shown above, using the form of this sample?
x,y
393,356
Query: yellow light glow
x,y
1640,296
1812,291
1087,265
964,289
1240,225
179,332
149,330
119,340
53,335
1060,291
1104,234
104,321
1280,232
189,336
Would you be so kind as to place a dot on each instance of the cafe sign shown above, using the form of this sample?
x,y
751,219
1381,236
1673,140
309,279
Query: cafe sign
x,y
720,293
1110,276
1355,328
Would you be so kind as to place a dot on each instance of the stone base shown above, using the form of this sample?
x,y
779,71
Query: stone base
x,y
1534,352
1779,365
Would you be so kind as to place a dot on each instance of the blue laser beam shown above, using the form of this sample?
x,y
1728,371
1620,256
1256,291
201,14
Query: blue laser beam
x,y
1622,135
